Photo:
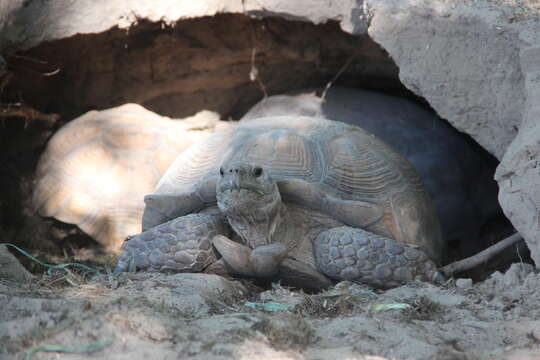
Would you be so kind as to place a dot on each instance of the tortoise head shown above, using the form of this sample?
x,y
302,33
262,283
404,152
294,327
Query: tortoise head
x,y
249,197
245,182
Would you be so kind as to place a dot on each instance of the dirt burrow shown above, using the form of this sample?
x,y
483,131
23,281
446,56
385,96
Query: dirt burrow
x,y
177,71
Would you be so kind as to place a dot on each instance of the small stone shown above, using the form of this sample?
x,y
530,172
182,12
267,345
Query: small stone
x,y
464,283
10,268
516,274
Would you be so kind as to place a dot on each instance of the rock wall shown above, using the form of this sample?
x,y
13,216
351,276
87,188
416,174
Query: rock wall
x,y
463,59
478,65
519,171
475,63
202,63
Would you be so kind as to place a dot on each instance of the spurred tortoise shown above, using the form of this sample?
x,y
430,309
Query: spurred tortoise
x,y
96,169
296,196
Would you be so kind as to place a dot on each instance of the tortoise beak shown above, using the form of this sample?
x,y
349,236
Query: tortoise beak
x,y
239,176
234,182
235,185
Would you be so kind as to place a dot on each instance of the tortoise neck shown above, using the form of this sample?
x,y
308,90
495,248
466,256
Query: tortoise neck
x,y
258,226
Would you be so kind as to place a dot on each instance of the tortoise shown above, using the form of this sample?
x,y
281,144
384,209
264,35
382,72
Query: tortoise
x,y
457,175
97,168
307,200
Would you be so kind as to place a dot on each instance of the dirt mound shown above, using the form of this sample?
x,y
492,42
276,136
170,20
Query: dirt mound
x,y
208,317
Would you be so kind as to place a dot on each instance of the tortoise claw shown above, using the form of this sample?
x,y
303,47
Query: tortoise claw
x,y
266,260
263,261
234,255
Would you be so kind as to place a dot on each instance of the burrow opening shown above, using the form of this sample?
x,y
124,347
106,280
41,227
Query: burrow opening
x,y
177,70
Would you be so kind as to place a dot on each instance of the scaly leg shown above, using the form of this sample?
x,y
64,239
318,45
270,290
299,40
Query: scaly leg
x,y
181,245
347,253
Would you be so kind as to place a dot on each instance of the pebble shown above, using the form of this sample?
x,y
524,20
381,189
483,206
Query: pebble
x,y
464,283
11,268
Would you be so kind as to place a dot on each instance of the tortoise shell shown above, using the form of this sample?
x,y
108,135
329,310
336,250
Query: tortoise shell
x,y
457,175
341,161
97,168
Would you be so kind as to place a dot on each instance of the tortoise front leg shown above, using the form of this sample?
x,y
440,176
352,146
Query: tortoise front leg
x,y
181,245
266,261
347,253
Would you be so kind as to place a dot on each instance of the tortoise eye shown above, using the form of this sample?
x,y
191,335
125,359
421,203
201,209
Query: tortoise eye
x,y
257,171
221,172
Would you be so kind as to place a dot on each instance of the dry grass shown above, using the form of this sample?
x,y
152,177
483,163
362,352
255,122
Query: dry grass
x,y
334,303
422,308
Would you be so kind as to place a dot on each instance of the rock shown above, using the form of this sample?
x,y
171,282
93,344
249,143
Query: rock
x,y
7,10
27,25
517,273
514,276
439,60
464,283
11,268
479,69
518,174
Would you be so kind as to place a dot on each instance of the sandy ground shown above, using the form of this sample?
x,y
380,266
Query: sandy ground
x,y
199,316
